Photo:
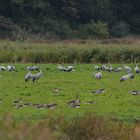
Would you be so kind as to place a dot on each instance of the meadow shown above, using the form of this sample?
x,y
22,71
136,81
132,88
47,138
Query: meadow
x,y
116,103
112,114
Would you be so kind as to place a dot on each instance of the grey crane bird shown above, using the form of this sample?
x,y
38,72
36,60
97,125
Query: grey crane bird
x,y
118,69
2,68
103,67
11,68
135,92
32,68
98,91
70,68
127,69
111,68
28,76
65,69
137,70
37,76
126,77
74,103
97,75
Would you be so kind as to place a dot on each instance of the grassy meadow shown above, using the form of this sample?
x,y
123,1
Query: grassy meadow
x,y
64,122
116,103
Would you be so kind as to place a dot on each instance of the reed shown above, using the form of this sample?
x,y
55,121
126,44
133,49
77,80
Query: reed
x,y
70,51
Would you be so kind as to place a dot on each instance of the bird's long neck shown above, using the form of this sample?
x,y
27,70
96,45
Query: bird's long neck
x,y
76,96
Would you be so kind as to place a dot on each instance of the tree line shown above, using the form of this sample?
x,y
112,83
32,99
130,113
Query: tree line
x,y
67,19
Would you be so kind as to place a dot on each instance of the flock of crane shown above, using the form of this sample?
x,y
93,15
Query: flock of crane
x,y
128,69
74,103
97,74
29,75
36,76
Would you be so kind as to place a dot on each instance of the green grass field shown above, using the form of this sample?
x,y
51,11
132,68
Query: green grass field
x,y
116,103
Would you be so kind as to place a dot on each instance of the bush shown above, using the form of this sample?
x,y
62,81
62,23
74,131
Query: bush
x,y
94,30
55,29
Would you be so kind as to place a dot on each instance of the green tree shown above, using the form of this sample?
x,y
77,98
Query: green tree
x,y
94,30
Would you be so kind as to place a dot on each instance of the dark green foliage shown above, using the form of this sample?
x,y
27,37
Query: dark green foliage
x,y
94,30
7,28
61,19
120,29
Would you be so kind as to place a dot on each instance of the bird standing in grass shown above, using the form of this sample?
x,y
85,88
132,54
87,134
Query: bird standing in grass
x,y
111,68
137,70
2,68
103,67
11,68
97,75
127,69
35,77
28,76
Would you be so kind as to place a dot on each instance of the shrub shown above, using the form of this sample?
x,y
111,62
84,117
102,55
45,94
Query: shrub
x,y
55,29
94,30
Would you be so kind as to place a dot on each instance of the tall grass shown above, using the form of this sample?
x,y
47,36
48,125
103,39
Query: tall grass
x,y
94,128
70,52
86,128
